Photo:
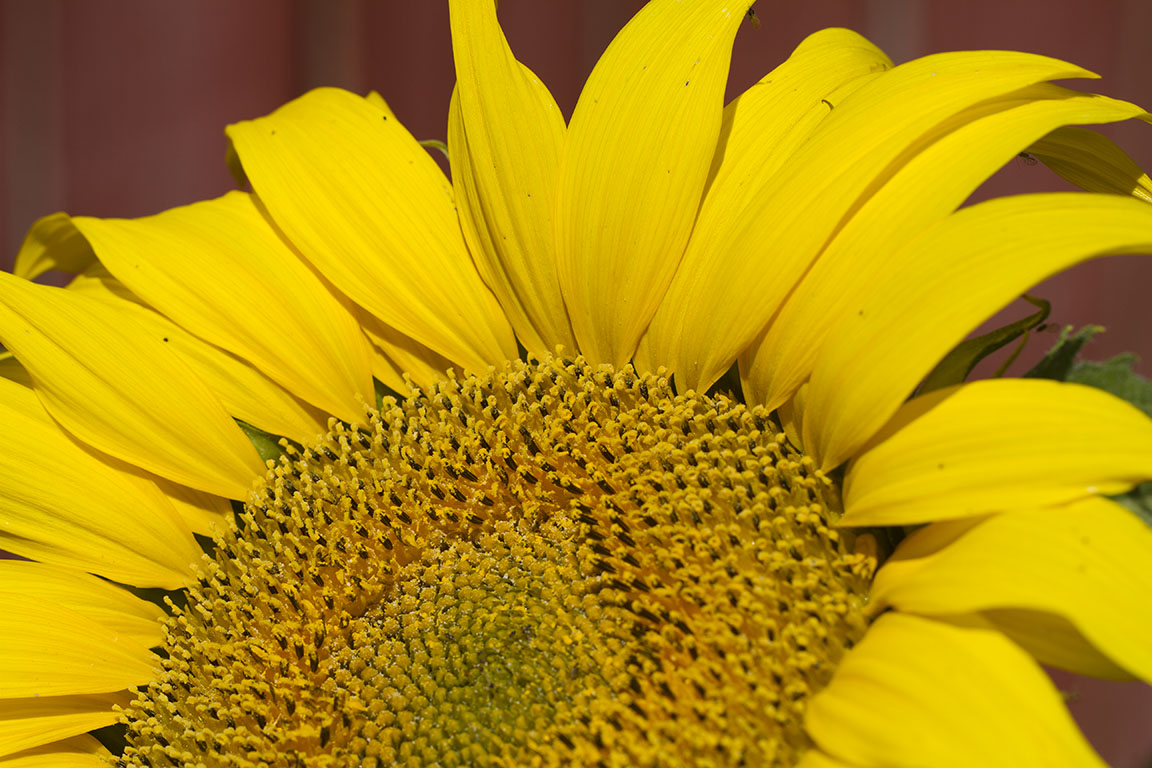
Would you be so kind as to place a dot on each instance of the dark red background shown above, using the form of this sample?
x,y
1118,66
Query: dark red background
x,y
116,108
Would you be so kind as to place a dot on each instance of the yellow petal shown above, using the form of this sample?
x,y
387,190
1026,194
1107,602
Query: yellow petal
x,y
52,243
50,650
365,204
814,758
639,148
219,269
939,287
505,134
75,752
997,445
246,393
1055,642
761,129
11,370
119,390
401,355
1086,562
62,503
29,723
204,513
743,275
101,601
926,189
1092,162
917,693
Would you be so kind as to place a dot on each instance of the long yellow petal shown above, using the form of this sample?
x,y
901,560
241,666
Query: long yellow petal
x,y
120,390
997,445
1049,638
916,693
29,723
202,512
111,606
75,752
938,288
926,189
639,148
1086,562
11,370
761,129
62,503
814,758
400,355
52,243
505,134
50,650
1055,642
743,275
221,271
246,393
1092,162
366,205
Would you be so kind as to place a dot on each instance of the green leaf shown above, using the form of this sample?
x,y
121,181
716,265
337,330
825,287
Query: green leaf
x,y
955,368
1059,361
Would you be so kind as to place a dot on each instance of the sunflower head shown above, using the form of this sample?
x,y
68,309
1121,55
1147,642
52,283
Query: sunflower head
x,y
658,548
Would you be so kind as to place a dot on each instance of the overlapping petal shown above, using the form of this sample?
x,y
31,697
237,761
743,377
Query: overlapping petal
x,y
939,287
996,445
653,106
75,752
926,189
111,384
131,618
917,693
244,391
33,722
52,243
62,504
1092,162
218,269
505,136
1085,562
761,130
364,203
51,650
742,272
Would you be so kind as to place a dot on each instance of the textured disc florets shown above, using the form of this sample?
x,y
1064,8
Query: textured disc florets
x,y
555,564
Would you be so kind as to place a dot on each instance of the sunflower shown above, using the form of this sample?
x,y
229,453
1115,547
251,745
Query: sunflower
x,y
474,481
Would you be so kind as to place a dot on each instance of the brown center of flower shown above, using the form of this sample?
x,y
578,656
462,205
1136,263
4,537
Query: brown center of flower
x,y
553,565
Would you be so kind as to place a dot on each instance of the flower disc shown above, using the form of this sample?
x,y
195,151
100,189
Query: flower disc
x,y
555,564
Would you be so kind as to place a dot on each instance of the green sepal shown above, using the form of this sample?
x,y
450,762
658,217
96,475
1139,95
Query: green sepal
x,y
268,446
956,366
1061,359
1138,500
1117,377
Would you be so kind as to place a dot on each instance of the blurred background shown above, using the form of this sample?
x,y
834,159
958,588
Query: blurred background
x,y
116,108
